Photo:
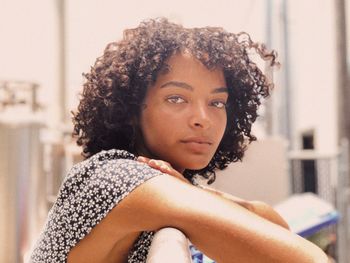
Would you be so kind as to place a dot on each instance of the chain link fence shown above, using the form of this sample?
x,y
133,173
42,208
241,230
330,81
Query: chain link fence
x,y
326,175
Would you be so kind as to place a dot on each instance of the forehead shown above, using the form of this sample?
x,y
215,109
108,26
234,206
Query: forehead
x,y
185,66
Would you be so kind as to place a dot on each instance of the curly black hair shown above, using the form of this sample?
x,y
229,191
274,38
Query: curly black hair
x,y
116,86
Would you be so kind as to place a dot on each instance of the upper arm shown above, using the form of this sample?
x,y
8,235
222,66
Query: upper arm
x,y
221,229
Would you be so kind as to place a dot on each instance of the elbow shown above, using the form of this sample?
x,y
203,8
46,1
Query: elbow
x,y
266,211
311,254
320,256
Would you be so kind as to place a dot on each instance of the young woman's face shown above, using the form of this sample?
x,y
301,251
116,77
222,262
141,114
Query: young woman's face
x,y
184,117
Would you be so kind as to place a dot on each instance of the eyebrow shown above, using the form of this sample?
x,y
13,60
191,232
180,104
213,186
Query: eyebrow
x,y
189,87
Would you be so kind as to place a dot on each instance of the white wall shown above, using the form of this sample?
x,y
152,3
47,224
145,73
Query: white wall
x,y
29,35
92,24
263,175
28,47
313,71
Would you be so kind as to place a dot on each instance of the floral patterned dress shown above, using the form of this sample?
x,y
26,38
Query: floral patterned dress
x,y
89,192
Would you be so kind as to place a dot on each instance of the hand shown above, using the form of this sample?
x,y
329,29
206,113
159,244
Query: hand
x,y
162,166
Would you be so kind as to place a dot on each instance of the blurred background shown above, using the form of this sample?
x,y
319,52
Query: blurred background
x,y
303,131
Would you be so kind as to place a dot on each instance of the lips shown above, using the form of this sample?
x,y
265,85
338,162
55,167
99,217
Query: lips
x,y
197,145
199,140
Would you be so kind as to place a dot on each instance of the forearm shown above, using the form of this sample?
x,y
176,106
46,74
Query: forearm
x,y
234,234
223,230
224,227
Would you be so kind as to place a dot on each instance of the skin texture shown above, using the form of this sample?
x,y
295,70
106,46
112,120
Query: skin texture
x,y
184,117
221,229
225,228
190,108
257,207
115,87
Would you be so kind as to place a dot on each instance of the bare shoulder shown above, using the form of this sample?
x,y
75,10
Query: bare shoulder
x,y
150,206
218,227
161,201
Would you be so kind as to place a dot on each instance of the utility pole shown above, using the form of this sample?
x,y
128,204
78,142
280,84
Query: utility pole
x,y
342,72
268,70
343,90
61,5
286,116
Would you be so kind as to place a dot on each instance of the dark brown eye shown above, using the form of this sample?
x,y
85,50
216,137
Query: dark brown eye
x,y
219,104
175,99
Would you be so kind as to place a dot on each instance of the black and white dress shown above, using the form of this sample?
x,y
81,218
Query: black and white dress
x,y
89,192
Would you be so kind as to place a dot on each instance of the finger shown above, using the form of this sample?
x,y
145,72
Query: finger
x,y
143,159
158,164
162,166
155,163
166,163
165,167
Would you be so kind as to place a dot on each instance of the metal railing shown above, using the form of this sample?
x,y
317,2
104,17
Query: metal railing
x,y
331,172
169,245
19,93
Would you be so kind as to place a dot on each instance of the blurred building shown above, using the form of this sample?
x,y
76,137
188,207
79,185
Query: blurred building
x,y
51,43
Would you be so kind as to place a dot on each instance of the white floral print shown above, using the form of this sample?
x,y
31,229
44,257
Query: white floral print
x,y
89,192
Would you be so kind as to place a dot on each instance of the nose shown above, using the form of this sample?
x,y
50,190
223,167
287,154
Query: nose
x,y
200,117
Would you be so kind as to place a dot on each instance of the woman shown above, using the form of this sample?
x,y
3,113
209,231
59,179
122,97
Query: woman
x,y
183,101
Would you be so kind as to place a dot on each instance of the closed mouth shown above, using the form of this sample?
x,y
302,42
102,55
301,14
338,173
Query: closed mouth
x,y
198,140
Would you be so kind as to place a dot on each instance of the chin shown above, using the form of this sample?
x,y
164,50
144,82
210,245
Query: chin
x,y
196,165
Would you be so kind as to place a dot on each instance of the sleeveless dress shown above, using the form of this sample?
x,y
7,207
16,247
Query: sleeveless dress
x,y
88,193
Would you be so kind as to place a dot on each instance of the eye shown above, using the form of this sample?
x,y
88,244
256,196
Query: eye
x,y
219,104
175,99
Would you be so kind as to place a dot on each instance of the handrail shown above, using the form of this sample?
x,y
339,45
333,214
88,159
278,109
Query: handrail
x,y
169,245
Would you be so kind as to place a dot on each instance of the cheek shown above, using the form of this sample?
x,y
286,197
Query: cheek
x,y
161,118
147,125
219,124
154,125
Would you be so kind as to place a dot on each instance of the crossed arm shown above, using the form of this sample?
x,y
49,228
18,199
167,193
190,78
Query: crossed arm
x,y
226,229
257,207
269,215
